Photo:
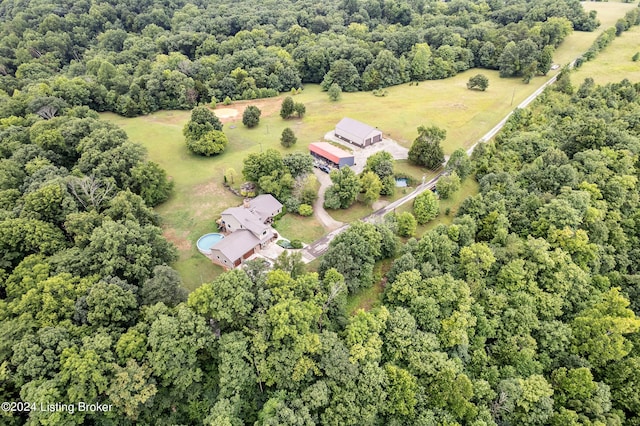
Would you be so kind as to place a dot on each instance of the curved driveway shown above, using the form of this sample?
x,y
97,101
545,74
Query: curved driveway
x,y
319,247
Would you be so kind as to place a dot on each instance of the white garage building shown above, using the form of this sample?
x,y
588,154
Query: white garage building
x,y
357,133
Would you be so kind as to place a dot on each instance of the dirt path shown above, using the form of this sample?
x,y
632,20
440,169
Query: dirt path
x,y
318,210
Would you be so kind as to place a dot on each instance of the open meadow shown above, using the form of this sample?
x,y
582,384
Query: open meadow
x,y
467,115
614,63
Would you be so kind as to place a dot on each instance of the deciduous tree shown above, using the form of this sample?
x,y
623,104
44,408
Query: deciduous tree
x,y
426,150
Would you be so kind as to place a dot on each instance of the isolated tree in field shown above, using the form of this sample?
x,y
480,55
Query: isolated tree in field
x,y
299,109
460,163
426,150
202,121
251,116
479,81
334,92
635,57
288,138
286,110
204,133
425,207
447,185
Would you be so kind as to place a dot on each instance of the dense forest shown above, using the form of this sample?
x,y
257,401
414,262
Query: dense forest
x,y
522,312
135,57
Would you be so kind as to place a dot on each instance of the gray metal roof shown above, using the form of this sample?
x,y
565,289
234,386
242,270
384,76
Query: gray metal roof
x,y
355,127
247,218
264,205
236,244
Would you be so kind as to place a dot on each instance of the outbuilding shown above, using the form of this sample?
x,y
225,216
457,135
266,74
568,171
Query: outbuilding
x,y
332,154
357,133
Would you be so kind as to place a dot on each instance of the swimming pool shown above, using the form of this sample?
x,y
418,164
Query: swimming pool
x,y
207,241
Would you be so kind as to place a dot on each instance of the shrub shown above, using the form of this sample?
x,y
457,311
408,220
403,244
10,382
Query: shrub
x,y
296,244
227,101
288,138
334,92
479,81
251,116
305,210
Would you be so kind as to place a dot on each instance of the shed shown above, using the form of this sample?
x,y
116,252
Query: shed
x,y
357,133
333,154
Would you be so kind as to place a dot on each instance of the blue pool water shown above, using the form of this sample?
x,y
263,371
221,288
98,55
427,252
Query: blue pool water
x,y
401,182
207,241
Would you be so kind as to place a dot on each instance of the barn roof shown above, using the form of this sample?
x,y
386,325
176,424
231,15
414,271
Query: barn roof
x,y
355,127
329,151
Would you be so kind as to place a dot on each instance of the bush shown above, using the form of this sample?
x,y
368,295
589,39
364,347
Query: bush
x,y
305,210
288,138
334,92
479,81
636,57
296,244
251,116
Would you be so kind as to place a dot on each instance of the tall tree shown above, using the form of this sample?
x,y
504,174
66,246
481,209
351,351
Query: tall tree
x,y
426,150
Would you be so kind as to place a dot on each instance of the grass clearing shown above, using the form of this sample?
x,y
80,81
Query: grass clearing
x,y
294,227
467,115
579,42
614,63
370,297
468,188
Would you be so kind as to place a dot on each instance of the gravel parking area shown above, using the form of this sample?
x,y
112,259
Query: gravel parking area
x,y
361,154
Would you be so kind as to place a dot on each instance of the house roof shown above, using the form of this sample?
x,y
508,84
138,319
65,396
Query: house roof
x,y
355,127
247,218
236,244
264,206
329,151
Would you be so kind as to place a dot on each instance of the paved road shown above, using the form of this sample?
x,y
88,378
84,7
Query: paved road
x,y
319,247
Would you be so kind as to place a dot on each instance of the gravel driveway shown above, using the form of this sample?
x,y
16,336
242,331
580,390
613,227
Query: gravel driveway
x,y
361,154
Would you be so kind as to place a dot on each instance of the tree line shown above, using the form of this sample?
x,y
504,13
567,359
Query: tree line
x,y
135,58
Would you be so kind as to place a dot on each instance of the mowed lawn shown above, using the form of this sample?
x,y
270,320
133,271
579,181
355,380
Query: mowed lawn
x,y
199,196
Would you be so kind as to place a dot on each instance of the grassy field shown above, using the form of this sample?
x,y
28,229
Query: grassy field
x,y
467,115
578,42
614,63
